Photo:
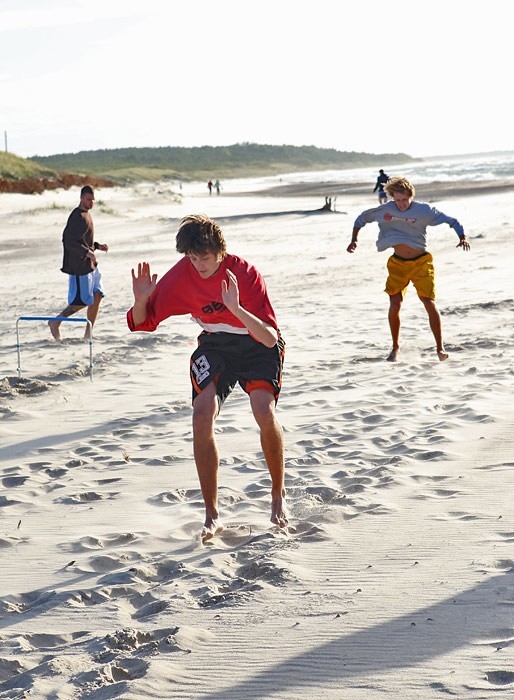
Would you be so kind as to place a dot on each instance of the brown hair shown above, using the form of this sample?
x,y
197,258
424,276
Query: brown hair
x,y
197,234
399,184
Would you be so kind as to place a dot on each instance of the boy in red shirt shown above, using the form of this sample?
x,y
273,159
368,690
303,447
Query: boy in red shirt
x,y
240,342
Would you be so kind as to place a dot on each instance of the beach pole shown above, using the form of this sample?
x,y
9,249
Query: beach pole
x,y
55,318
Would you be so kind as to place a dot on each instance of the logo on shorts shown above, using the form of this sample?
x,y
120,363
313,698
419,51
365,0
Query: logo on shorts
x,y
200,368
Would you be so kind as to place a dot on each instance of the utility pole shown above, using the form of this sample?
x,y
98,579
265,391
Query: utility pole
x,y
5,140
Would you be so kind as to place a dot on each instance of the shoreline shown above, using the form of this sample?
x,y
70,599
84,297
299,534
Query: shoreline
x,y
430,190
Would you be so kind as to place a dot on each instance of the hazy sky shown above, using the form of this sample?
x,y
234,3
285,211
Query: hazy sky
x,y
420,77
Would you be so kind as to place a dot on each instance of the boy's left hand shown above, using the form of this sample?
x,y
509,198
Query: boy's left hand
x,y
230,292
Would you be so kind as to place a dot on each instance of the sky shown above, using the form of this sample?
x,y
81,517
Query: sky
x,y
424,78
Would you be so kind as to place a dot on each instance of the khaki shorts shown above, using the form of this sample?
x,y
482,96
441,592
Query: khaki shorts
x,y
419,271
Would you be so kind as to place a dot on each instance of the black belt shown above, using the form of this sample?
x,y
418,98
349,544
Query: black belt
x,y
399,257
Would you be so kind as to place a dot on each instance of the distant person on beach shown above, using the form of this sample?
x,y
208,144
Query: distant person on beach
x,y
79,262
217,186
210,186
240,343
402,225
382,179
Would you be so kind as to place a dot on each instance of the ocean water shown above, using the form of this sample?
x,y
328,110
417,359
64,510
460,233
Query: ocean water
x,y
491,166
479,166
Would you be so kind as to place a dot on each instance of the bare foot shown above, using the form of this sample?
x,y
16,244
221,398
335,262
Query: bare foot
x,y
279,512
54,329
442,355
393,355
211,528
88,333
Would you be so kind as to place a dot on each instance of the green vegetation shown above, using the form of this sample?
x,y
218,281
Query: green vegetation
x,y
105,168
15,168
238,160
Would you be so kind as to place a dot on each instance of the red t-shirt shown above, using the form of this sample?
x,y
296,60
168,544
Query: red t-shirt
x,y
183,291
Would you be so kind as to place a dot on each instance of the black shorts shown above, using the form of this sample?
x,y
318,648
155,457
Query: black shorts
x,y
228,358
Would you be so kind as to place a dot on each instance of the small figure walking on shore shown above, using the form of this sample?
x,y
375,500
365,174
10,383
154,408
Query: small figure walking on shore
x,y
382,179
402,225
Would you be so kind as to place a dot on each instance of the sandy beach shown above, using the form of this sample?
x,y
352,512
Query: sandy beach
x,y
396,575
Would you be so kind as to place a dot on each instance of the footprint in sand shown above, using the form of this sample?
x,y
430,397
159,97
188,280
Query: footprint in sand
x,y
6,542
10,482
85,497
148,609
500,677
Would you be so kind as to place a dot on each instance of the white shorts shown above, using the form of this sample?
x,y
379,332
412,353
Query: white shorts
x,y
82,288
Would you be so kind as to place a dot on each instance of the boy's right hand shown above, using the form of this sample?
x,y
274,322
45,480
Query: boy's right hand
x,y
144,283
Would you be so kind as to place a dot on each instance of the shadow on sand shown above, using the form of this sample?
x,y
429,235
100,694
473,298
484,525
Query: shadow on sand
x,y
482,615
